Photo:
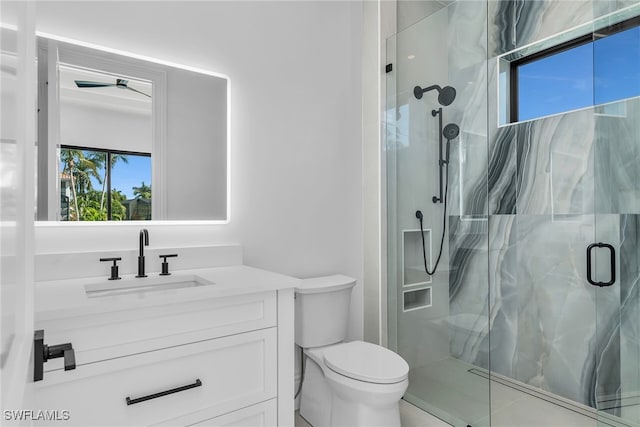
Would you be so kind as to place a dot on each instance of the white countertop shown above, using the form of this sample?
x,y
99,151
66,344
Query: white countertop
x,y
68,298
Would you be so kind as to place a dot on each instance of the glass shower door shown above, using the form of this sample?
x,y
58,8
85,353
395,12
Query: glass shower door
x,y
436,158
615,258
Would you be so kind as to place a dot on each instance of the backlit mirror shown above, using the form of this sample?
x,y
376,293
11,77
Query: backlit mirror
x,y
123,138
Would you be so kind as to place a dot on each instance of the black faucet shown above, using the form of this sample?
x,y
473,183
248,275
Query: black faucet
x,y
144,241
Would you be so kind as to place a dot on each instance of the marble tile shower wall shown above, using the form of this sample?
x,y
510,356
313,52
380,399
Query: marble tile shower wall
x,y
541,192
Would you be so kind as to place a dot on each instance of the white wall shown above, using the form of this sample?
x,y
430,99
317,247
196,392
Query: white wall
x,y
196,147
296,151
90,125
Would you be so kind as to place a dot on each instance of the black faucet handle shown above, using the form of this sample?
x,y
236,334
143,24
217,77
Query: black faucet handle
x,y
165,264
114,267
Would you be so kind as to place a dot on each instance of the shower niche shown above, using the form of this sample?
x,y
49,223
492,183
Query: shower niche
x,y
415,295
416,299
413,271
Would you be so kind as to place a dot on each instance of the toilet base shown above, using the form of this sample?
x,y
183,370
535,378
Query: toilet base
x,y
329,399
349,414
361,407
315,397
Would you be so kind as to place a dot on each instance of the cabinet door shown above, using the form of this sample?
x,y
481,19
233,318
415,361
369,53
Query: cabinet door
x,y
215,377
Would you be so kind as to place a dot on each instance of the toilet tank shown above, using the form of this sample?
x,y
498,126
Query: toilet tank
x,y
322,310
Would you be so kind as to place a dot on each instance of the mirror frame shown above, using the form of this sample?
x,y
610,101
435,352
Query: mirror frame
x,y
84,54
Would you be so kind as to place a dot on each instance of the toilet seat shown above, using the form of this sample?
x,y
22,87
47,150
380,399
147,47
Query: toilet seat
x,y
363,361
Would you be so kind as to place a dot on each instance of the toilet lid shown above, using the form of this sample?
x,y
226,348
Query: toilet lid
x,y
368,362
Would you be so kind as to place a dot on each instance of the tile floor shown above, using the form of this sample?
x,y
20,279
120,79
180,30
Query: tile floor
x,y
410,416
458,395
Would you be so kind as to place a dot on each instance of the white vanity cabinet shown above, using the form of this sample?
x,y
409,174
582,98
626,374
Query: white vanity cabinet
x,y
211,361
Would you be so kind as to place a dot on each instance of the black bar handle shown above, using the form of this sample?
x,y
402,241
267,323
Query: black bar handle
x,y
131,401
441,163
589,278
612,252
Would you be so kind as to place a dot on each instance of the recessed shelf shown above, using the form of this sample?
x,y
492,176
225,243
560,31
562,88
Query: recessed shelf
x,y
416,299
413,272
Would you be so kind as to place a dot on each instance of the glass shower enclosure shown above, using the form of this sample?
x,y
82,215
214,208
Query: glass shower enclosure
x,y
531,224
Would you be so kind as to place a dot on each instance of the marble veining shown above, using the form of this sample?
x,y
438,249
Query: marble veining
x,y
549,329
502,172
525,201
516,23
617,148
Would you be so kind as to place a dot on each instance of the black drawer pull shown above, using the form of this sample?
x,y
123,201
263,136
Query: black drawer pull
x,y
131,401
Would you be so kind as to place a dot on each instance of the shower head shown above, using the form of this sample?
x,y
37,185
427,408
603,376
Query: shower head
x,y
451,131
446,94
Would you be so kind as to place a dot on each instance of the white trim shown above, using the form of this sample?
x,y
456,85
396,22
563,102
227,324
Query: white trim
x,y
130,54
17,367
286,358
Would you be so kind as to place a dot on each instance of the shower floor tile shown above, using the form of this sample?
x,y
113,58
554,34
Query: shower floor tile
x,y
449,391
530,411
446,389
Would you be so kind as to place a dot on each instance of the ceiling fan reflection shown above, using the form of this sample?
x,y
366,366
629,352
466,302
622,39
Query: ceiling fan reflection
x,y
120,83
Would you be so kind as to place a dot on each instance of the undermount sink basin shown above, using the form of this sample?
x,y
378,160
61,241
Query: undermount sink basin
x,y
144,284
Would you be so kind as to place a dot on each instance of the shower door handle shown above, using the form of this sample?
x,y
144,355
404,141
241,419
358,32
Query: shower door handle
x,y
612,251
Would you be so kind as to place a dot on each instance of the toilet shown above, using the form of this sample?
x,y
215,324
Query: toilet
x,y
345,383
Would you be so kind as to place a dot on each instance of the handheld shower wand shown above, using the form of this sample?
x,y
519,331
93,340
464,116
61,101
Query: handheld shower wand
x,y
451,131
446,95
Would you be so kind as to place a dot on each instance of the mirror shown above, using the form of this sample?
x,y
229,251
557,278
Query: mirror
x,y
123,138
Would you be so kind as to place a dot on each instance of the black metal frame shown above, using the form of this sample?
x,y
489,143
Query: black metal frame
x,y
515,65
515,68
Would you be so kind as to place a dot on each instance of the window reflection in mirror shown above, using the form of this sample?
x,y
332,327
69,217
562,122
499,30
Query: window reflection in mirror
x,y
105,146
104,185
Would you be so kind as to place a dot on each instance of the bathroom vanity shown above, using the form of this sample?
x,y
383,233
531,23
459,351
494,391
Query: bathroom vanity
x,y
209,346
